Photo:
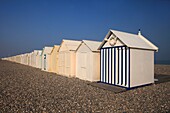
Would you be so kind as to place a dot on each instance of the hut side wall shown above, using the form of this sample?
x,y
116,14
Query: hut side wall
x,y
48,63
61,60
95,66
33,59
72,64
54,61
37,61
142,67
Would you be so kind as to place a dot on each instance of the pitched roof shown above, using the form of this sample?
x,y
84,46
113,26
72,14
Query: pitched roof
x,y
39,52
131,40
71,44
55,46
47,50
92,45
36,52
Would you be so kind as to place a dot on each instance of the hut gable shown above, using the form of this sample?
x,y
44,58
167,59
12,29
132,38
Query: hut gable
x,y
92,45
130,40
47,50
70,45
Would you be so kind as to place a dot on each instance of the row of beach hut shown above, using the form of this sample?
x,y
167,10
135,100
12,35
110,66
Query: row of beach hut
x,y
121,59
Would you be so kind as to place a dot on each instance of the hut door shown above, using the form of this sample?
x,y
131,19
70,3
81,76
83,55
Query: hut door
x,y
68,63
83,65
115,66
62,62
45,61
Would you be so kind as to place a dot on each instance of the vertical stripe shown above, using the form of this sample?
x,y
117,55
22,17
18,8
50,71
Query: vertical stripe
x,y
114,65
125,66
118,66
111,65
105,65
121,65
108,65
100,64
129,67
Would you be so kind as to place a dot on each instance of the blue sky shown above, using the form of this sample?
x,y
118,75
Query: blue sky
x,y
26,25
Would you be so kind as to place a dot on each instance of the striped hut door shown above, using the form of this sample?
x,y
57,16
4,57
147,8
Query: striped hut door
x,y
115,66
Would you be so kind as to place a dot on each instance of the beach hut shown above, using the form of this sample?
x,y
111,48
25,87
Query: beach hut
x,y
38,59
25,59
33,58
46,58
29,59
18,59
127,60
88,61
54,59
22,58
67,57
13,59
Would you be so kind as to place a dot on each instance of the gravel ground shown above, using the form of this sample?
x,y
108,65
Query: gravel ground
x,y
162,69
27,89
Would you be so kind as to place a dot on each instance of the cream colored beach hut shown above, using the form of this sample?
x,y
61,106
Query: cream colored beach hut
x,y
88,61
127,59
38,59
46,58
25,59
33,58
18,59
29,59
67,57
54,59
13,59
22,58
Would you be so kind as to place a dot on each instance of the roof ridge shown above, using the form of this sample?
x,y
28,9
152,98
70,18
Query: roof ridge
x,y
91,40
124,32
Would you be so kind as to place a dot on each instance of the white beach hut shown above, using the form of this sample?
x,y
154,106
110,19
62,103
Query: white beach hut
x,y
67,57
38,59
88,61
46,58
127,59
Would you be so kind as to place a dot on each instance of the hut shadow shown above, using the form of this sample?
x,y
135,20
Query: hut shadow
x,y
108,87
161,78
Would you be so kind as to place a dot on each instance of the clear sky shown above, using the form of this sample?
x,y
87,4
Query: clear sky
x,y
26,25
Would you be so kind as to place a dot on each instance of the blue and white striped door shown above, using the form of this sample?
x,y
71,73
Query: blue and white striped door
x,y
115,66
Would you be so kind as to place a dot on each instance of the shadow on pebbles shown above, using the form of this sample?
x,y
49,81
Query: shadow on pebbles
x,y
27,89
